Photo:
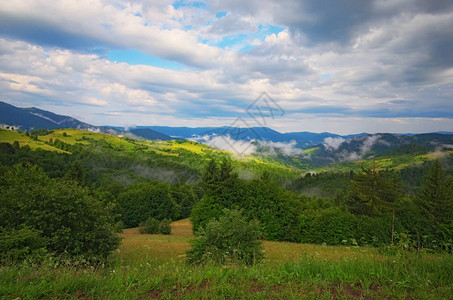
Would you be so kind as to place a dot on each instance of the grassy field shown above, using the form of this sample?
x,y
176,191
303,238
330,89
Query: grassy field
x,y
154,266
9,136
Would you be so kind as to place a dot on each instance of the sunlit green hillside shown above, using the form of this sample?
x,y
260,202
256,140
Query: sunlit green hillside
x,y
152,159
9,136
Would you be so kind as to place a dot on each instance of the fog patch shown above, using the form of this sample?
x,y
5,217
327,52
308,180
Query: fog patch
x,y
332,144
349,156
369,142
287,149
93,129
159,174
367,145
226,143
246,174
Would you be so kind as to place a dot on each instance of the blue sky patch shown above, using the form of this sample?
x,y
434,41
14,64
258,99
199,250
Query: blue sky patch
x,y
134,57
220,14
182,3
245,39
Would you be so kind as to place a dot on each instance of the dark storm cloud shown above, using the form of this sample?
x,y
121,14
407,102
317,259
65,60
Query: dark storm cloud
x,y
328,20
46,34
339,21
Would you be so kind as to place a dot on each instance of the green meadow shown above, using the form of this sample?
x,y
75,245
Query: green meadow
x,y
154,266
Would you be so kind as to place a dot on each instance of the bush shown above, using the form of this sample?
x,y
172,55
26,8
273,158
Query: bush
x,y
151,226
231,239
18,244
67,215
118,228
165,227
332,226
142,200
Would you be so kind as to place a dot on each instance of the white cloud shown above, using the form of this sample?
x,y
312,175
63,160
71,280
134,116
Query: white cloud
x,y
369,142
333,143
391,64
226,143
287,149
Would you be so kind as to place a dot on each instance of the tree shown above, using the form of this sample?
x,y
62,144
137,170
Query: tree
x,y
16,145
435,198
223,189
76,173
211,175
372,193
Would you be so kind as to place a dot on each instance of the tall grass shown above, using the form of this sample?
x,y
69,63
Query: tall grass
x,y
154,266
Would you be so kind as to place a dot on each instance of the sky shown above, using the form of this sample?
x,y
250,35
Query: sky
x,y
342,66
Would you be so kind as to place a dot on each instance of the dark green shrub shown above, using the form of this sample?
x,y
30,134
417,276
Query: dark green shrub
x,y
332,226
376,231
67,215
118,228
165,226
148,199
18,244
231,239
151,226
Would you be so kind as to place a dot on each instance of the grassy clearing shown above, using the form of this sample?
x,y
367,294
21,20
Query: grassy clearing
x,y
74,136
153,266
8,136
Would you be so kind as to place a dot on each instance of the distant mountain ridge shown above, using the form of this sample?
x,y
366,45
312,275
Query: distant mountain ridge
x,y
303,139
381,144
34,118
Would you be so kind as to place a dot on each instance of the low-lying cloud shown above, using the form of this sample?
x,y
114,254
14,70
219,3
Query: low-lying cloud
x,y
333,143
287,149
243,147
226,143
367,143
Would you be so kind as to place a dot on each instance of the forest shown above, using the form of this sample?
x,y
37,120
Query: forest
x,y
126,183
84,204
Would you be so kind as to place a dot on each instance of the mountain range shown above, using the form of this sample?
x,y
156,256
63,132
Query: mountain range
x,y
34,118
323,147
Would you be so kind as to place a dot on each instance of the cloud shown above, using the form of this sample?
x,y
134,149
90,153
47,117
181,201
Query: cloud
x,y
331,143
94,24
231,24
369,142
287,149
226,143
248,147
387,61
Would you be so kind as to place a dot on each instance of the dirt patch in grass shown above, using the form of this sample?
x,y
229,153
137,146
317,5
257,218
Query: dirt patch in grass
x,y
155,294
81,295
255,287
180,291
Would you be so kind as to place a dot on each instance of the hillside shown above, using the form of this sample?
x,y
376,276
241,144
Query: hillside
x,y
32,118
338,154
131,160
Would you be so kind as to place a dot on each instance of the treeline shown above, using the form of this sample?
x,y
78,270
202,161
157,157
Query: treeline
x,y
100,184
335,184
373,209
